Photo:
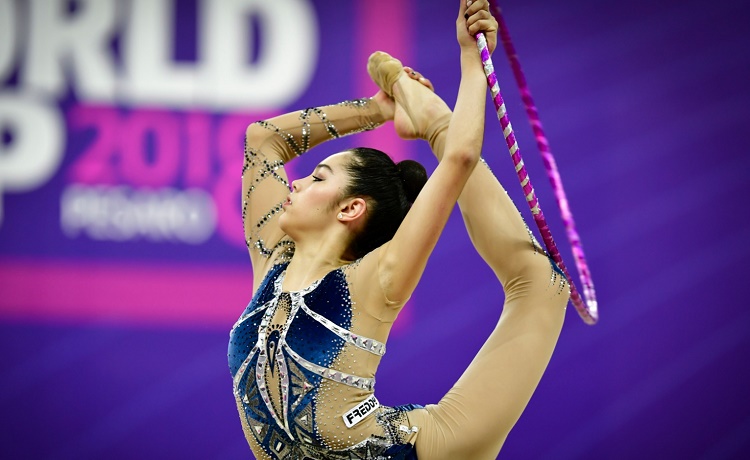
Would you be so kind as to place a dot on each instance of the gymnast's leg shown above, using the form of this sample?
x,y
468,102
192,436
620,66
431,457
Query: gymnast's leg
x,y
475,417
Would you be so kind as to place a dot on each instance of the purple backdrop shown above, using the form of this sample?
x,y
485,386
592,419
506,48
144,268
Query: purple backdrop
x,y
121,258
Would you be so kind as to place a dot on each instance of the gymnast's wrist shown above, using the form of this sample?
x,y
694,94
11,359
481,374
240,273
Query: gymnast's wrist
x,y
378,111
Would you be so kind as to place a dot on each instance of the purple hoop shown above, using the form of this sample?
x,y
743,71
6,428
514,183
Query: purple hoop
x,y
588,310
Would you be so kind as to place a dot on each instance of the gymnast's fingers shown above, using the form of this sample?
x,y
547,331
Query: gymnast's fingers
x,y
482,21
414,75
427,83
476,6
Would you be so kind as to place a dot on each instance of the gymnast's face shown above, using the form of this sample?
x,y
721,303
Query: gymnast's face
x,y
316,200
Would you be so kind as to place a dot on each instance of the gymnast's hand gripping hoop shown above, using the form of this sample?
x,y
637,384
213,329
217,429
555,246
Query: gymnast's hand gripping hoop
x,y
588,310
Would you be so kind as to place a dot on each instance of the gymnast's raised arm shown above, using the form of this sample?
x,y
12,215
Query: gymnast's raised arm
x,y
269,144
403,259
475,417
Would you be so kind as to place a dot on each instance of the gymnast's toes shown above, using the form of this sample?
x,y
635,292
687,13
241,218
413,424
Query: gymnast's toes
x,y
384,70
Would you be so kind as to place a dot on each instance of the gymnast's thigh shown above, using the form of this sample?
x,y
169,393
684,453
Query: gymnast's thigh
x,y
451,430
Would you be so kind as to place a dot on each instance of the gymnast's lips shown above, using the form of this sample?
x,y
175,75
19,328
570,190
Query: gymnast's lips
x,y
287,202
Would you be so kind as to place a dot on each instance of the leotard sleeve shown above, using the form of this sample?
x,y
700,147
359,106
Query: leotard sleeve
x,y
265,185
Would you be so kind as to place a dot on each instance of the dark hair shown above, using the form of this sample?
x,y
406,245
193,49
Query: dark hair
x,y
389,189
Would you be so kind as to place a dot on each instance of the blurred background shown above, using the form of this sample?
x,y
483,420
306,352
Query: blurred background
x,y
122,263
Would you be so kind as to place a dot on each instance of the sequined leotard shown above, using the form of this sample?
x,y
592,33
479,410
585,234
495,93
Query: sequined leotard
x,y
282,348
303,362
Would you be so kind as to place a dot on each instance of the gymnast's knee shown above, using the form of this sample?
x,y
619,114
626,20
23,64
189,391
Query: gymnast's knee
x,y
446,430
536,276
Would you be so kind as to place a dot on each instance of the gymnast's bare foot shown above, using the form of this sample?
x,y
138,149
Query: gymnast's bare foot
x,y
417,107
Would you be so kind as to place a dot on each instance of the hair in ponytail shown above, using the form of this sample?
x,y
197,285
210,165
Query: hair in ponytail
x,y
389,189
413,177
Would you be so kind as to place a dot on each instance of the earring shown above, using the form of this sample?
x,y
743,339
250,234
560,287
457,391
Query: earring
x,y
340,216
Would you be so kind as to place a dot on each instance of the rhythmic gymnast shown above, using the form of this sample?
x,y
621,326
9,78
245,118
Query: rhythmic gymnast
x,y
335,260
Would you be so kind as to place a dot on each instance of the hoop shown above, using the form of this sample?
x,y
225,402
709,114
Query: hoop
x,y
588,310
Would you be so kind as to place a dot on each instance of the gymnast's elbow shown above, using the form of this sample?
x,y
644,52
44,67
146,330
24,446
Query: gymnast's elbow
x,y
255,134
464,158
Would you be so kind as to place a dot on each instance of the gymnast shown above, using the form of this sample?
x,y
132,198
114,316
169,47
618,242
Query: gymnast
x,y
335,260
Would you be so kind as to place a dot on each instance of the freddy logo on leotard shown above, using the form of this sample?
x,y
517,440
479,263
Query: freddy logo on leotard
x,y
362,410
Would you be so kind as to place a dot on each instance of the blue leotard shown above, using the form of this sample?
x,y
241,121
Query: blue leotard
x,y
283,350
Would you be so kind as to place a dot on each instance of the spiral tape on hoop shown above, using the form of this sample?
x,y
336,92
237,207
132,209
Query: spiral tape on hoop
x,y
588,310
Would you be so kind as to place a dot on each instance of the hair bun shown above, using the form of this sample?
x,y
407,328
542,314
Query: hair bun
x,y
413,177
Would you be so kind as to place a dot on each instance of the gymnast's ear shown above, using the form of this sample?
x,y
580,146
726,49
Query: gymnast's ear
x,y
352,210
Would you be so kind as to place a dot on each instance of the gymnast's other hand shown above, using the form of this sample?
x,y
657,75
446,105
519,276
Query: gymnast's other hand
x,y
386,105
414,75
